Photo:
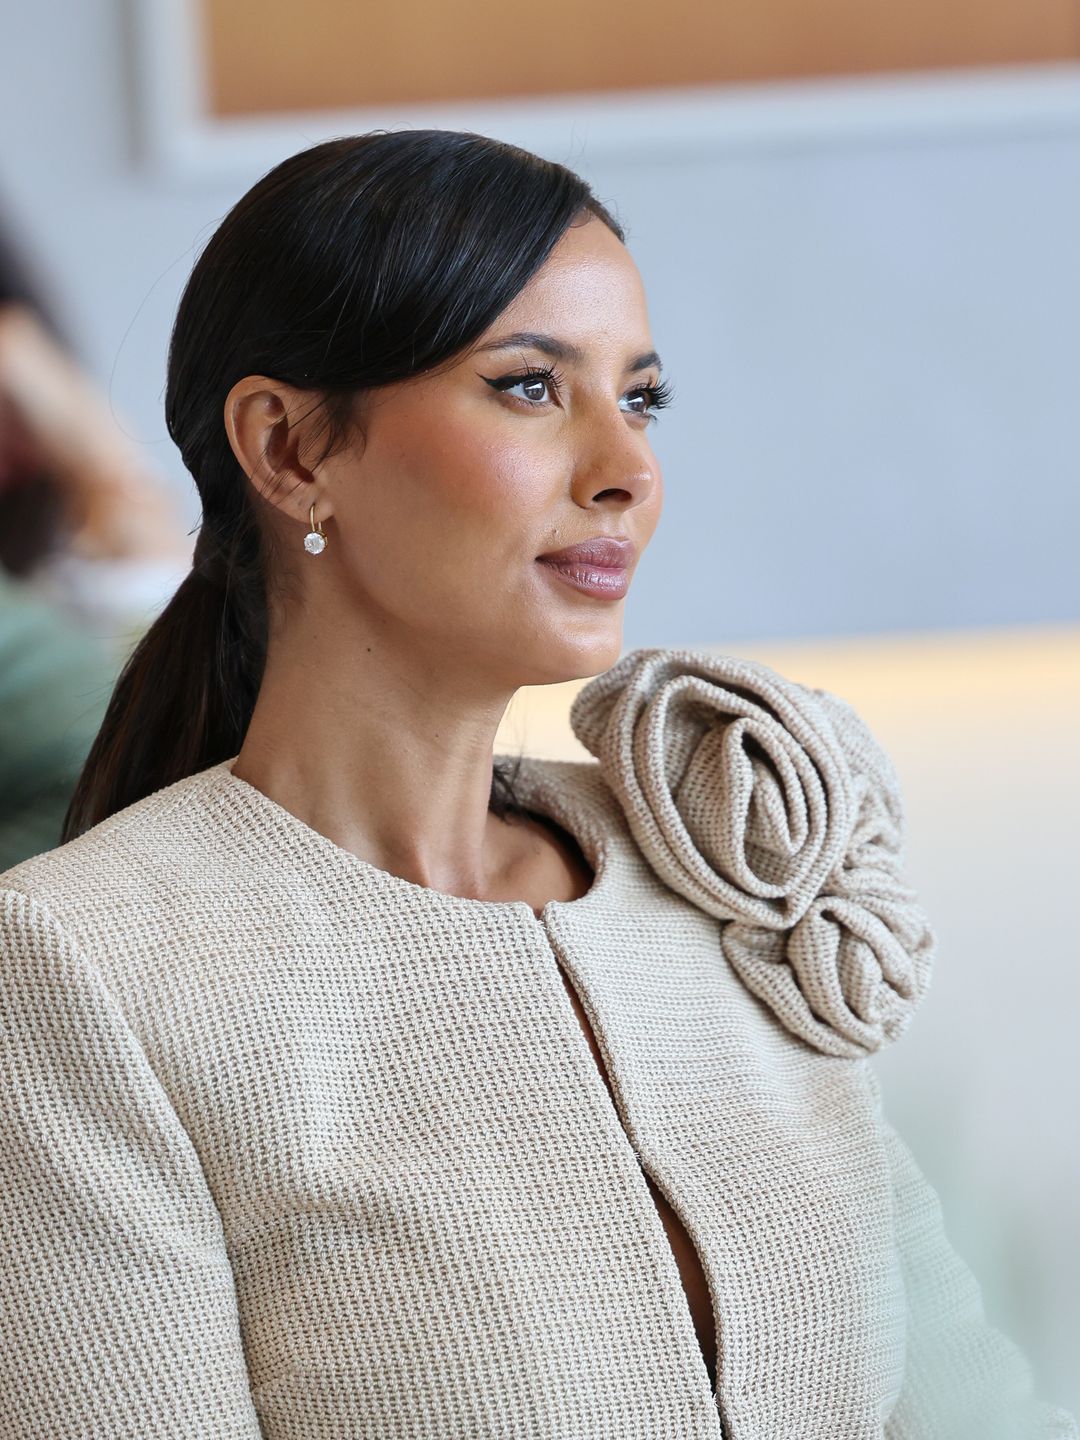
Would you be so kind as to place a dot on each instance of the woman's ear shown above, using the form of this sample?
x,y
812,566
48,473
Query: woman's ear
x,y
270,425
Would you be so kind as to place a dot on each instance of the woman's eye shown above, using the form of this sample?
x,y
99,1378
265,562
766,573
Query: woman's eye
x,y
655,397
534,383
643,396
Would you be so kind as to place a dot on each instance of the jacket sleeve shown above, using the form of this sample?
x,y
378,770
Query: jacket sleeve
x,y
963,1378
118,1313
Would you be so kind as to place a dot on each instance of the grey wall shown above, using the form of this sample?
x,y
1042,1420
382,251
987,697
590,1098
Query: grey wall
x,y
878,421
873,341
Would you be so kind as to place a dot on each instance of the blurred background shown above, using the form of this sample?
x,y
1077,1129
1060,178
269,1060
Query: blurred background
x,y
859,230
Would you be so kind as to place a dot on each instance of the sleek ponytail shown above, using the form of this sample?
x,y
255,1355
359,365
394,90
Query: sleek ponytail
x,y
357,263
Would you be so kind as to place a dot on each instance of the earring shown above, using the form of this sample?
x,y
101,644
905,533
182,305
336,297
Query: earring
x,y
315,540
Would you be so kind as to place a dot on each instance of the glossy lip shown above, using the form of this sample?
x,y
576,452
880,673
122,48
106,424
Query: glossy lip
x,y
607,551
595,567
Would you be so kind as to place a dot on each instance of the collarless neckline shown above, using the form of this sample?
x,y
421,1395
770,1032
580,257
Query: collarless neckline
x,y
546,788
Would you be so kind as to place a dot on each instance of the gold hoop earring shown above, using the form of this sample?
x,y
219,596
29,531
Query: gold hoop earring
x,y
315,540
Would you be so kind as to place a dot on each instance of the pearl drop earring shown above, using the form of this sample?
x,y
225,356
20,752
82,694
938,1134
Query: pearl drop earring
x,y
315,540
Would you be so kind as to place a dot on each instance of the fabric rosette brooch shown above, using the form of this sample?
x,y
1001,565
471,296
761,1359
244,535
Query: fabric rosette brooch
x,y
770,805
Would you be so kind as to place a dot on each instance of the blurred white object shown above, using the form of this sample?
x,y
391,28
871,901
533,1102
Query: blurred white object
x,y
117,599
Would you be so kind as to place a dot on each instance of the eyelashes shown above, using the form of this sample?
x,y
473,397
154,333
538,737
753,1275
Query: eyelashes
x,y
656,396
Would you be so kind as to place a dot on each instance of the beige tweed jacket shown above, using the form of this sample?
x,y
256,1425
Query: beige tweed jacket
x,y
294,1148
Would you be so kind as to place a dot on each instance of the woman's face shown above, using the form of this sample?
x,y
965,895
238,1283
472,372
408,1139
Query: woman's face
x,y
463,477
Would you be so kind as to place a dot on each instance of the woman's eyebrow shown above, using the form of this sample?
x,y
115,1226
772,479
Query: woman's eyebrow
x,y
563,349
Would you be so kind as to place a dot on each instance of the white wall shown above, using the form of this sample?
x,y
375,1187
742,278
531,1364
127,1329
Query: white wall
x,y
873,338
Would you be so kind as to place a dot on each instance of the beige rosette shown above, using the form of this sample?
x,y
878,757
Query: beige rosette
x,y
770,805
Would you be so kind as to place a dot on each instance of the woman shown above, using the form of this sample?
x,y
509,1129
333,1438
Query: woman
x,y
361,1085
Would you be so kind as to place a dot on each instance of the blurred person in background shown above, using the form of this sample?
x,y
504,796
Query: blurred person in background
x,y
72,488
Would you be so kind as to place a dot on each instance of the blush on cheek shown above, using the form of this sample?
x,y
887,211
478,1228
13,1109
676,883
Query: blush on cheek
x,y
468,463
494,481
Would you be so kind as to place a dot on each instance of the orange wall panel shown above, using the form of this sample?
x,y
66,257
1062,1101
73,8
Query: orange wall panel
x,y
331,54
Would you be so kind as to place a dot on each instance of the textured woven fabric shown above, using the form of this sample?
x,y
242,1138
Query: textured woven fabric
x,y
770,805
295,1148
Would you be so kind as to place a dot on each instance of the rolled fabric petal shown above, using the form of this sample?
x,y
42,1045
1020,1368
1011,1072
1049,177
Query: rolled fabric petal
x,y
771,806
732,778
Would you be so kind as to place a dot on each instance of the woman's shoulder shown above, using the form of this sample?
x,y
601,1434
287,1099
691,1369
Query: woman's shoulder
x,y
770,805
126,866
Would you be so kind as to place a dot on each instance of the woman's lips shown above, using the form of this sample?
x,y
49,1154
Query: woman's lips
x,y
598,566
609,582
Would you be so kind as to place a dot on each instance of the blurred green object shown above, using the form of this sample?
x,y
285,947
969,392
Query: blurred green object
x,y
56,677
